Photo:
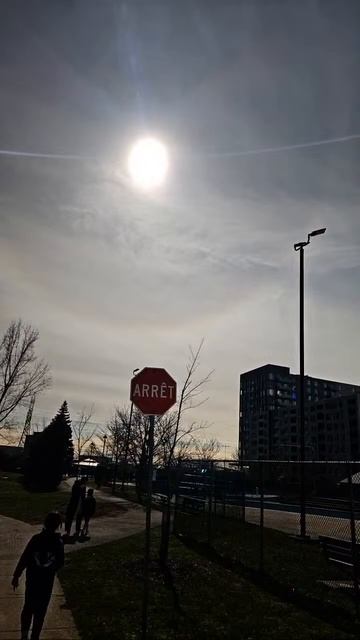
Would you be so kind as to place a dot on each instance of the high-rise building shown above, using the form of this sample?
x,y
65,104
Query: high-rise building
x,y
268,424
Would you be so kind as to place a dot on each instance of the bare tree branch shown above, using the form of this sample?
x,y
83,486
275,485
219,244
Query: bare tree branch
x,y
83,432
207,450
190,390
22,373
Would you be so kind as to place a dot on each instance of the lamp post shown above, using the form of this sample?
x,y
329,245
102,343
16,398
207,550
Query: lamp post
x,y
128,433
300,247
104,448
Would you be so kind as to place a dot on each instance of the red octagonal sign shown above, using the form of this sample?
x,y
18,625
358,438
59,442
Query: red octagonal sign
x,y
153,391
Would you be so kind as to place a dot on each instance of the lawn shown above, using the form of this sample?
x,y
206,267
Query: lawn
x,y
103,588
288,564
32,506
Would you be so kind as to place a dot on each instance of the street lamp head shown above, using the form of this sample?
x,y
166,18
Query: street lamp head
x,y
317,232
298,245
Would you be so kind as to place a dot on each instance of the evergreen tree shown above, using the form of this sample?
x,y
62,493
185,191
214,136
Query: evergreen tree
x,y
52,452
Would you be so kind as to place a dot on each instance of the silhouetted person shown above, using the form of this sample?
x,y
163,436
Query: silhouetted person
x,y
80,507
89,509
42,558
74,507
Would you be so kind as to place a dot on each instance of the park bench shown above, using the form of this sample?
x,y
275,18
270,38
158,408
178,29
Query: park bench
x,y
193,504
340,551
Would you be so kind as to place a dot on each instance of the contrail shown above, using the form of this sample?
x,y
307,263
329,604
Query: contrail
x,y
50,156
214,154
289,147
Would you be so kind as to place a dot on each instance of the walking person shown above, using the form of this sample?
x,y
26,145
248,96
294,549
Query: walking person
x,y
80,506
74,507
89,509
42,558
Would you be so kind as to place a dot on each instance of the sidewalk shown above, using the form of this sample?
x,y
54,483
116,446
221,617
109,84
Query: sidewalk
x,y
59,623
14,535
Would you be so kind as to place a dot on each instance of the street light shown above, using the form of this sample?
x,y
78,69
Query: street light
x,y
126,450
104,448
300,247
128,437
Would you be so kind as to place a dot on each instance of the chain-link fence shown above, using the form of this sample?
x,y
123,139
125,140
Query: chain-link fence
x,y
250,515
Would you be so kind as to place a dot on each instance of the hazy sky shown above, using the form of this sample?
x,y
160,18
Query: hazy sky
x,y
116,279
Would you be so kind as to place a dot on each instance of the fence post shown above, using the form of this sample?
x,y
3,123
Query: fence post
x,y
243,515
261,559
224,485
302,499
353,542
176,505
210,499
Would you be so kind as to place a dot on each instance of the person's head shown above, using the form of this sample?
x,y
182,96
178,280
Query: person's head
x,y
90,492
83,480
52,521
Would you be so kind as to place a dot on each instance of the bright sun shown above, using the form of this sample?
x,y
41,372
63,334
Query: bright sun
x,y
148,163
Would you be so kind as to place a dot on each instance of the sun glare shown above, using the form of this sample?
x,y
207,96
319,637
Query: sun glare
x,y
148,163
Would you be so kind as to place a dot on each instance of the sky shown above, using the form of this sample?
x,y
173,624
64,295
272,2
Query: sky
x,y
115,278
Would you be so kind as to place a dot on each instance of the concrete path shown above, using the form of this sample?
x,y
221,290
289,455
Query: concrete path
x,y
14,535
59,623
110,528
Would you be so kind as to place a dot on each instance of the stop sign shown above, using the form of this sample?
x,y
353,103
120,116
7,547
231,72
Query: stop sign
x,y
153,391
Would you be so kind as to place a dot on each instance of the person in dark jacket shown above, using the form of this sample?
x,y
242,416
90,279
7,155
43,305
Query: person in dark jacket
x,y
42,558
78,493
88,510
80,506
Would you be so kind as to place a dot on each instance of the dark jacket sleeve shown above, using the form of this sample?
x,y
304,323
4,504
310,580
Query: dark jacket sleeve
x,y
24,559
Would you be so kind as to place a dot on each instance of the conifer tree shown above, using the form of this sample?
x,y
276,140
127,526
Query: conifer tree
x,y
51,452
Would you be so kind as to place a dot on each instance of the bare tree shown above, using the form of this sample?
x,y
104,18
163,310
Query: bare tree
x,y
207,450
83,431
22,373
180,435
191,397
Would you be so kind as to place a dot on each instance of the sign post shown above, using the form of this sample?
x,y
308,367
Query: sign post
x,y
145,603
153,392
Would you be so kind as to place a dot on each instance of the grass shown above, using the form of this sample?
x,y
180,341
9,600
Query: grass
x,y
287,562
31,506
103,587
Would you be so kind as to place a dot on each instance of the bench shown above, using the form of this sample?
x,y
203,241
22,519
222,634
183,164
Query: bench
x,y
340,551
193,504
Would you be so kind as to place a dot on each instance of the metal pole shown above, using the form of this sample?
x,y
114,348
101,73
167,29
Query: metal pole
x,y
353,542
115,470
241,451
127,445
145,603
302,402
104,445
210,499
224,486
261,561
